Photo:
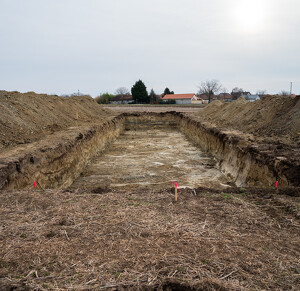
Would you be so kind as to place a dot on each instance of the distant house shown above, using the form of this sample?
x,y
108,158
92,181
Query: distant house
x,y
252,98
181,98
203,96
226,97
121,99
245,94
237,94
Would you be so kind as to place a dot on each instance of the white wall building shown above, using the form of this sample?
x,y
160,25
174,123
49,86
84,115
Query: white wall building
x,y
181,98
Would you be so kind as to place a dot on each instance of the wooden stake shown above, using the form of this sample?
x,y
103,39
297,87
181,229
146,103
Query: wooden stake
x,y
175,191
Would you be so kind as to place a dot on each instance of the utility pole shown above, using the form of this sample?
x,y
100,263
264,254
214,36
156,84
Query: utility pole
x,y
291,88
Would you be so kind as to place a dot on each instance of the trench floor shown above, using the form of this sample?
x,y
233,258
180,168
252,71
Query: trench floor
x,y
151,159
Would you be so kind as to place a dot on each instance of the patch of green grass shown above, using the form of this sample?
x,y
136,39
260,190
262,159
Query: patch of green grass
x,y
180,268
45,286
46,273
291,209
117,274
242,191
294,270
205,261
4,265
227,196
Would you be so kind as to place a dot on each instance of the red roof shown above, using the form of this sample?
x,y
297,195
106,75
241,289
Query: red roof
x,y
178,96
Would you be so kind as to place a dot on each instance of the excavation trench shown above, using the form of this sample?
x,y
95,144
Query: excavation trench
x,y
151,152
134,151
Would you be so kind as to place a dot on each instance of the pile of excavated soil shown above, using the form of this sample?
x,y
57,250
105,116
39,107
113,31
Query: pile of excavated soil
x,y
274,117
27,117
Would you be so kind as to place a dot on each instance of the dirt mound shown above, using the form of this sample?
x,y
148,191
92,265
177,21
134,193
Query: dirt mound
x,y
28,117
273,116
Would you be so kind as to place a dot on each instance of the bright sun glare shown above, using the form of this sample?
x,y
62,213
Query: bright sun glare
x,y
250,15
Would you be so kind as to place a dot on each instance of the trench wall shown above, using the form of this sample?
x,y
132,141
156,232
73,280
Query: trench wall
x,y
59,165
237,159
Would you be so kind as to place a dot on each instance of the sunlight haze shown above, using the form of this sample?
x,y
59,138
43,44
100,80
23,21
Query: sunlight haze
x,y
62,46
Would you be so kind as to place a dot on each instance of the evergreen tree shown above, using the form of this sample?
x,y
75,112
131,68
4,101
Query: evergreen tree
x,y
152,96
167,91
139,92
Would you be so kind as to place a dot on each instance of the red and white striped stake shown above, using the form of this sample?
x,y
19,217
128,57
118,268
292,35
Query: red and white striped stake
x,y
175,191
34,184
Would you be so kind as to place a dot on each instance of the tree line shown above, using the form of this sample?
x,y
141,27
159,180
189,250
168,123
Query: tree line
x,y
140,95
138,92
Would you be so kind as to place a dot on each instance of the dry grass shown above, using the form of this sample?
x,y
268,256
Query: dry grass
x,y
62,240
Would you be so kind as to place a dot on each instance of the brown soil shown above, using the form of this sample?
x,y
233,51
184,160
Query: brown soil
x,y
55,239
273,118
28,117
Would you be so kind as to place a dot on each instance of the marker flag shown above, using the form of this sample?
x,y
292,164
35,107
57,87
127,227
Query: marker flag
x,y
175,185
34,184
276,184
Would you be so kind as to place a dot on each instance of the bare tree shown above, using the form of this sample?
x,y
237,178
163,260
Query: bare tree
x,y
261,92
209,88
284,93
236,93
122,91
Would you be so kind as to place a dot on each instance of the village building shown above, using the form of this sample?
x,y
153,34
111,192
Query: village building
x,y
121,99
252,98
183,98
226,97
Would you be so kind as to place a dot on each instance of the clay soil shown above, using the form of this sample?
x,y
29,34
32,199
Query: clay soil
x,y
241,239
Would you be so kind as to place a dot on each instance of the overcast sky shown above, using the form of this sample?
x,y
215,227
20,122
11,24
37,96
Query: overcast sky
x,y
60,46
